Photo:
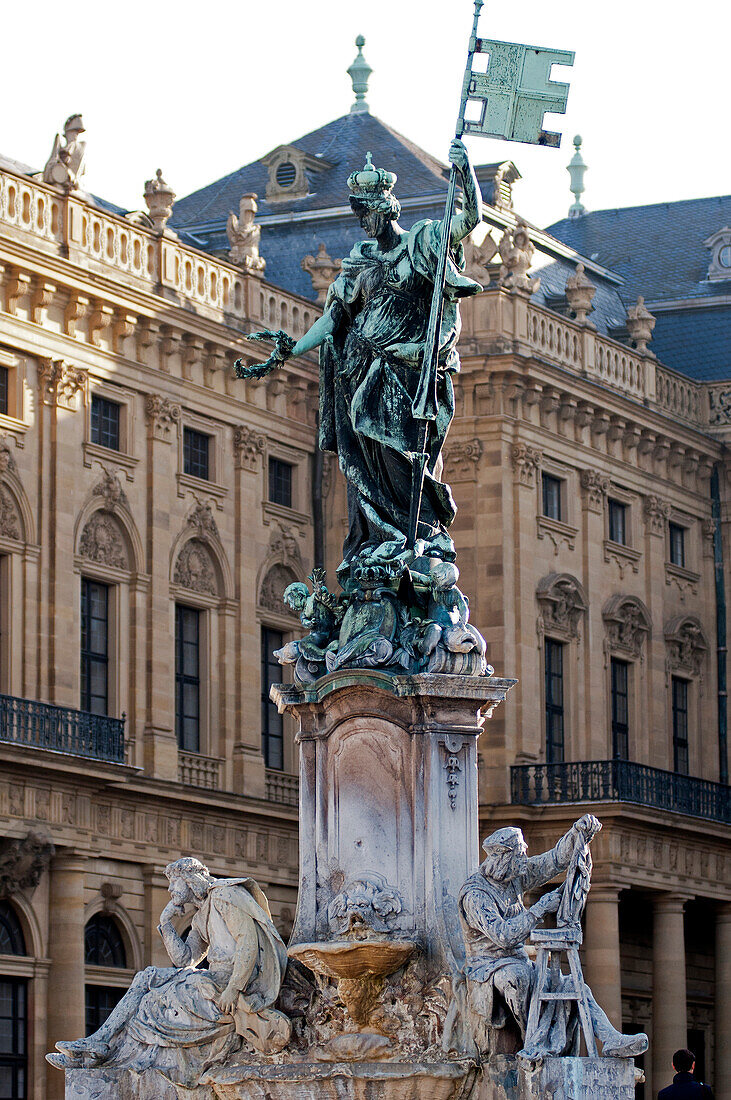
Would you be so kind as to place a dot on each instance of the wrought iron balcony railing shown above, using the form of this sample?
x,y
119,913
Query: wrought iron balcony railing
x,y
619,781
61,729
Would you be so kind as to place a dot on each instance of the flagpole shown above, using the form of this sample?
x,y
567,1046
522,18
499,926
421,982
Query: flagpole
x,y
425,404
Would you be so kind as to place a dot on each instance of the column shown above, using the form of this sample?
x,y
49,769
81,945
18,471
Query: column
x,y
669,1011
722,1068
601,950
66,1018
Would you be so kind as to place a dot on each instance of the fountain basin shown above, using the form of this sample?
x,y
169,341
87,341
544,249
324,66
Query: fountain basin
x,y
349,959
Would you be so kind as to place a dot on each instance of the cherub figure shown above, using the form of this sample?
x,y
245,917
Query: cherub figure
x,y
321,613
516,251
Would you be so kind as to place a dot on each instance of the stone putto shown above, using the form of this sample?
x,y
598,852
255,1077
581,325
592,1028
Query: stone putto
x,y
516,251
244,236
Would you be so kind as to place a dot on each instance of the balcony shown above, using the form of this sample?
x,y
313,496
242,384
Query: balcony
x,y
37,725
619,781
282,787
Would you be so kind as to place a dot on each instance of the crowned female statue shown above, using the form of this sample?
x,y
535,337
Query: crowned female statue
x,y
371,338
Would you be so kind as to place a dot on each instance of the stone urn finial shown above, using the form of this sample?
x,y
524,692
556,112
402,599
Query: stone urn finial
x,y
359,72
576,169
579,294
322,269
640,323
159,197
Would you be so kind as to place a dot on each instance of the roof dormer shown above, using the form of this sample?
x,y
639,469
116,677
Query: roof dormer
x,y
719,269
290,170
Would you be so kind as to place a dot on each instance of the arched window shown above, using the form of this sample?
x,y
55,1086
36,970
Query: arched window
x,y
103,943
13,1011
103,946
12,941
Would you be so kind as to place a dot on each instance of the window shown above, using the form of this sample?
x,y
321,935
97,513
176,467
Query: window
x,y
272,725
103,943
554,702
4,387
680,725
617,522
13,1012
196,448
187,678
103,946
105,422
677,544
620,709
280,482
94,646
552,495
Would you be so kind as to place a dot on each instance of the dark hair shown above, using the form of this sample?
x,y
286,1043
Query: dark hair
x,y
683,1060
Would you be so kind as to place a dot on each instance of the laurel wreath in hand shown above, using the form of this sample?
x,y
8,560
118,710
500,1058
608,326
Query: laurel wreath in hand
x,y
283,347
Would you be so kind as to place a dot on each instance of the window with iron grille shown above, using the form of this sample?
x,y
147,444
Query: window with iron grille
x,y
676,535
4,388
13,1012
618,521
272,725
105,422
196,453
187,678
680,725
280,482
552,496
94,646
554,689
620,709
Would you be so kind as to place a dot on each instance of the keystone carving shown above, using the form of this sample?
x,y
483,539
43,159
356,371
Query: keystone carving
x,y
111,491
202,521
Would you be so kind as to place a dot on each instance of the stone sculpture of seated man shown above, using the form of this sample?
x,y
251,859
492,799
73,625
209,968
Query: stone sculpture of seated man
x,y
181,1020
500,977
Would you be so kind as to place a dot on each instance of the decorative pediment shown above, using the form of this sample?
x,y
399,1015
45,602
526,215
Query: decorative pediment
x,y
686,644
102,541
562,602
195,570
271,593
628,623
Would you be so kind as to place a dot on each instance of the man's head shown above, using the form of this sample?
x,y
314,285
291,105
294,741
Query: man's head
x,y
189,880
506,855
683,1061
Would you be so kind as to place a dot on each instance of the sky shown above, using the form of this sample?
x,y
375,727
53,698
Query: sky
x,y
198,89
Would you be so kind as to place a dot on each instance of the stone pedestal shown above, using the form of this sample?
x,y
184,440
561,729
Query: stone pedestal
x,y
507,1078
388,796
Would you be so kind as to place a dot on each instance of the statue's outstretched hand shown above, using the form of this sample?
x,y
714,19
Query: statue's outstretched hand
x,y
588,826
283,347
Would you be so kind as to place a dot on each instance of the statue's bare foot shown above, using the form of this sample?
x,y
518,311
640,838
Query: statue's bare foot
x,y
84,1052
625,1046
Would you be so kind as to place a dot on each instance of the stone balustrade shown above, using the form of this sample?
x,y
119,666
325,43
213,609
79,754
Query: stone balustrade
x,y
282,787
103,242
197,770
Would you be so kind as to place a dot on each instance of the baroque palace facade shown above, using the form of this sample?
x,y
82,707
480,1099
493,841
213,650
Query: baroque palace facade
x,y
153,508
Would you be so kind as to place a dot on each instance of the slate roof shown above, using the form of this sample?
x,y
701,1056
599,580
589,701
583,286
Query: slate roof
x,y
609,310
658,250
696,342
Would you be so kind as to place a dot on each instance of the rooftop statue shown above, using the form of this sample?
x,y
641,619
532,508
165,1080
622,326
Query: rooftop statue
x,y
66,166
180,1020
502,985
244,235
372,338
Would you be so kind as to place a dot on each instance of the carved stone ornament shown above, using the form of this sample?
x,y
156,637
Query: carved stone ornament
x,y
463,459
243,236
562,602
686,644
516,251
202,522
526,463
595,486
60,383
719,401
194,568
248,446
323,270
9,519
102,541
367,904
271,594
640,323
111,491
65,166
22,862
7,462
159,198
628,623
477,257
579,294
283,544
657,513
163,416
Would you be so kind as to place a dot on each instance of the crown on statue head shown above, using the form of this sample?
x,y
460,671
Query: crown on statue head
x,y
371,183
